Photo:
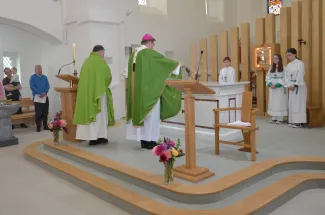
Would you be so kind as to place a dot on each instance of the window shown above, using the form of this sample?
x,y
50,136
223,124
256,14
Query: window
x,y
274,6
154,6
215,9
142,2
7,62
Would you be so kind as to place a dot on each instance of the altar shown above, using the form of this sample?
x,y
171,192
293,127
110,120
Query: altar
x,y
227,95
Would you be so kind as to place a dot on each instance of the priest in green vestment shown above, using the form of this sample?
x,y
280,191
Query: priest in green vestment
x,y
94,106
149,98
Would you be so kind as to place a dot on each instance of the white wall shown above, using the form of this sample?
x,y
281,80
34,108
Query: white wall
x,y
43,14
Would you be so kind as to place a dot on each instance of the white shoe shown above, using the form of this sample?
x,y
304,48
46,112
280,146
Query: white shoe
x,y
297,126
290,125
272,121
279,122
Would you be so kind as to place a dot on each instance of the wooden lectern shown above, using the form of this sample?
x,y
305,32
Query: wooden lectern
x,y
68,104
190,171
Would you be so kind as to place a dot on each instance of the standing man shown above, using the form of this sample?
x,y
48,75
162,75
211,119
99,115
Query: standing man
x,y
12,92
149,98
94,107
40,87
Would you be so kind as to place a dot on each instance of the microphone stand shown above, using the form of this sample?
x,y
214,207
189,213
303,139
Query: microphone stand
x,y
198,68
65,66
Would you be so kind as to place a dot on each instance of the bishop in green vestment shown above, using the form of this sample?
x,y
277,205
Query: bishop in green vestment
x,y
149,98
94,106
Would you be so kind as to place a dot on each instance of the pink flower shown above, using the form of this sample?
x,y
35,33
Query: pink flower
x,y
158,150
171,143
168,154
57,123
63,123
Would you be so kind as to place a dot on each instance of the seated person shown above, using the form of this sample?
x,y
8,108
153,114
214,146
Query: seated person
x,y
12,91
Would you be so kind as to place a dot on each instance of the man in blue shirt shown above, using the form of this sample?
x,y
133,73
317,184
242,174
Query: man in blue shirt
x,y
40,87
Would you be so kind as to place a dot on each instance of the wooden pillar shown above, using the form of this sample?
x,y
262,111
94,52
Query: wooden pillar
x,y
193,57
234,50
270,31
316,111
260,77
323,65
213,52
296,16
245,53
306,48
285,32
260,31
204,61
223,48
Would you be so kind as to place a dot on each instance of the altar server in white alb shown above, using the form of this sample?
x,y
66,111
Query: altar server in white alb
x,y
295,82
227,74
278,96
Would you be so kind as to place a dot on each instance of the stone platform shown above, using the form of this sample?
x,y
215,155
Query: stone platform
x,y
6,111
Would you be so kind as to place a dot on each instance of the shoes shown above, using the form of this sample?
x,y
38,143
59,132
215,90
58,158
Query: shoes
x,y
278,122
272,121
23,125
290,124
297,125
98,141
13,127
46,128
148,144
38,129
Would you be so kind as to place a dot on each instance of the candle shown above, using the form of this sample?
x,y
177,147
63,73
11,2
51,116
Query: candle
x,y
74,55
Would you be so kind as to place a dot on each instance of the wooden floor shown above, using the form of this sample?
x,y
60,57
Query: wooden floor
x,y
246,206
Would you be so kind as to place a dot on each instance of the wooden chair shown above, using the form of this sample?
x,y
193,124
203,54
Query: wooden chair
x,y
28,114
248,114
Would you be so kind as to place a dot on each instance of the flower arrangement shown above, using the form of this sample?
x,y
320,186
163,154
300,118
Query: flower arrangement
x,y
56,125
167,151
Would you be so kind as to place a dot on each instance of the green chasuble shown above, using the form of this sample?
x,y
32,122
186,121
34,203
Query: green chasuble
x,y
147,84
95,77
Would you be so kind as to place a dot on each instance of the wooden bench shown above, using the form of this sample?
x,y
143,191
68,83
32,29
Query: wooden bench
x,y
28,115
248,114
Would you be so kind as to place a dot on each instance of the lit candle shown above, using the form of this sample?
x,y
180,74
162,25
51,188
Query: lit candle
x,y
74,55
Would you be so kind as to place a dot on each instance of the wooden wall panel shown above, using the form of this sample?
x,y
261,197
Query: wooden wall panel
x,y
306,49
245,52
316,61
285,29
260,31
213,54
260,76
323,65
234,50
193,57
223,48
204,61
296,15
270,31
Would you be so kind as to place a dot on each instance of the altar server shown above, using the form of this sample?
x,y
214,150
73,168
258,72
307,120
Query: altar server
x,y
278,96
149,98
295,82
227,74
94,106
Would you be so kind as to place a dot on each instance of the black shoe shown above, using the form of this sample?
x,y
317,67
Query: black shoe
x,y
13,127
94,142
102,140
144,144
151,144
38,129
46,128
23,125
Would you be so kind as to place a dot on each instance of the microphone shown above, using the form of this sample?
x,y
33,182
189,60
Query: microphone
x,y
198,68
65,66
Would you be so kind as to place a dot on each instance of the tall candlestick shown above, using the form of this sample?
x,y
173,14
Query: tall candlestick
x,y
74,56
